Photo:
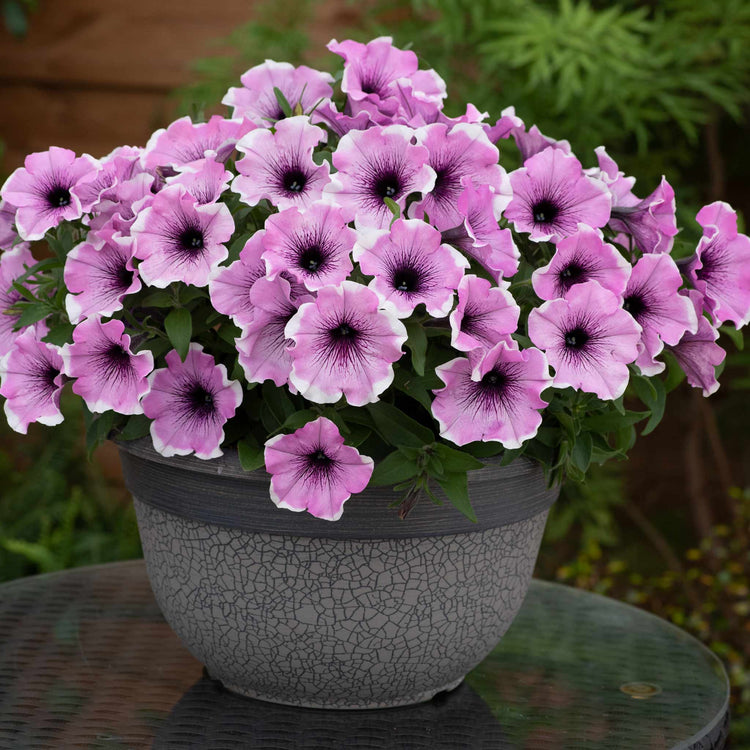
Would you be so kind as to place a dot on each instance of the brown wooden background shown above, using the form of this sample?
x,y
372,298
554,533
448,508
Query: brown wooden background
x,y
92,74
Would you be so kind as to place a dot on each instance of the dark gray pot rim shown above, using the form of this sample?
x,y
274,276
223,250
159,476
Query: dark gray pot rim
x,y
220,492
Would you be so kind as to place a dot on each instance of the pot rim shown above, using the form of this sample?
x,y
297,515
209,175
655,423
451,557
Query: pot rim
x,y
220,492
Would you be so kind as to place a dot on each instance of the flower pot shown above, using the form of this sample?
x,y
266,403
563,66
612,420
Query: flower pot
x,y
366,612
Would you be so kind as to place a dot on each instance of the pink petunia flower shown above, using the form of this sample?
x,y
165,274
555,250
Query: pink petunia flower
x,y
589,340
697,353
582,257
340,122
179,240
651,222
485,315
313,470
664,315
108,374
720,269
185,142
479,235
190,402
532,141
375,164
229,286
313,245
410,266
99,278
345,345
552,196
494,396
8,233
371,71
504,126
302,87
279,166
205,180
31,380
263,346
462,153
119,206
13,264
46,190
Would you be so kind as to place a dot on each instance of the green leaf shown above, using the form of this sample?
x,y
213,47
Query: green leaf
x,y
31,313
60,334
179,327
417,343
479,449
137,426
613,422
286,108
675,374
416,387
99,427
299,419
158,299
250,455
398,429
456,489
357,435
394,468
456,460
36,553
393,207
737,337
580,456
657,408
277,406
645,389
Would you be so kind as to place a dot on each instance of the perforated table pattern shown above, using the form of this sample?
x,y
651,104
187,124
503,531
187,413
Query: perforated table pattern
x,y
87,661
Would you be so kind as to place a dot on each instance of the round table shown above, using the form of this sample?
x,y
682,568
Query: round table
x,y
86,660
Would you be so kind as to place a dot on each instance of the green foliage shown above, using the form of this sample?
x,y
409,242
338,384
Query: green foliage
x,y
56,509
16,16
642,78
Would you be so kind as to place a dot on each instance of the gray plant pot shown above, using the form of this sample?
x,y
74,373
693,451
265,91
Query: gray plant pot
x,y
366,612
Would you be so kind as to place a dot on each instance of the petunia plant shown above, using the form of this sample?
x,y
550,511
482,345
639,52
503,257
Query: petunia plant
x,y
347,287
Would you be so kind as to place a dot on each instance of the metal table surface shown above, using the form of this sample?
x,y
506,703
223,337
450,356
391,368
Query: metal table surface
x,y
87,661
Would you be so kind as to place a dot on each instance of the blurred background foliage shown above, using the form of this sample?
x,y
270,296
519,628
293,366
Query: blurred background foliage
x,y
665,86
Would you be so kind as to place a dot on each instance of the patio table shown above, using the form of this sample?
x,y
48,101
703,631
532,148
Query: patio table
x,y
87,661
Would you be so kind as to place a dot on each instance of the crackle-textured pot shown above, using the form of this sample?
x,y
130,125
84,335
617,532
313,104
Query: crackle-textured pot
x,y
366,612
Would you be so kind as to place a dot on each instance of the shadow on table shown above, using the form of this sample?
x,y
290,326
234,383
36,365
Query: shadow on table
x,y
208,716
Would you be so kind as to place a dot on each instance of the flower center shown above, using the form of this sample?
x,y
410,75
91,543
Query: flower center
x,y
634,305
387,186
576,338
406,280
49,375
572,274
319,460
201,400
124,277
117,356
544,212
494,380
344,332
191,239
58,197
295,181
311,259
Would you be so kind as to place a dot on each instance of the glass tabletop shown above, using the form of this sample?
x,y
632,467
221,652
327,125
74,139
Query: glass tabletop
x,y
86,660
